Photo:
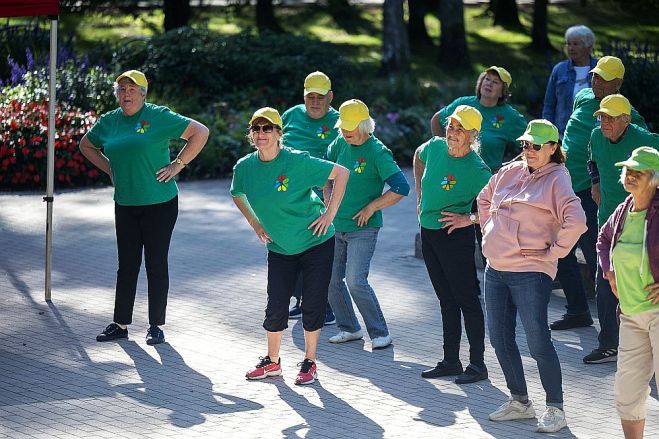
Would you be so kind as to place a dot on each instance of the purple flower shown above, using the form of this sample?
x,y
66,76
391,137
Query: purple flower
x,y
393,117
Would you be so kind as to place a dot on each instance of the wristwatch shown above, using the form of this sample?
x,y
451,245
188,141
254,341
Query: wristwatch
x,y
178,161
473,218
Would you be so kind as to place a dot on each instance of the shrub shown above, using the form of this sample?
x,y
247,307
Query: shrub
x,y
24,143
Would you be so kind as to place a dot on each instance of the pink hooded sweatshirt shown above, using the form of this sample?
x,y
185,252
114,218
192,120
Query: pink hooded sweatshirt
x,y
523,210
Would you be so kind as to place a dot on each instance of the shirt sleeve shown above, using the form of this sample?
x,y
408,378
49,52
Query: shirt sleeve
x,y
637,119
549,107
237,188
423,151
317,170
97,132
332,151
176,124
445,112
386,164
398,184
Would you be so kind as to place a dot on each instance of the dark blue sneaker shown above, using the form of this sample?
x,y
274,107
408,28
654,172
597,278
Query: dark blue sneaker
x,y
329,317
154,335
295,312
112,332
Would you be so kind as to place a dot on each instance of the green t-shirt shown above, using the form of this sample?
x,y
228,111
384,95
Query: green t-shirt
x,y
449,183
606,154
370,165
577,134
307,134
502,124
280,193
628,255
138,146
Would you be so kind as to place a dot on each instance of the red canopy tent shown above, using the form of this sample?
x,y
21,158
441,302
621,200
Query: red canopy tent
x,y
50,8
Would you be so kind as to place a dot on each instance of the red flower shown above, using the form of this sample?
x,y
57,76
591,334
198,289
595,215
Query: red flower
x,y
36,179
25,151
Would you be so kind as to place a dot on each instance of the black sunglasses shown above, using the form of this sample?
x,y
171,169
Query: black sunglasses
x,y
264,128
527,145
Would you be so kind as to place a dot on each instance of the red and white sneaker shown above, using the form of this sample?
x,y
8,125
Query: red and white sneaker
x,y
308,372
265,368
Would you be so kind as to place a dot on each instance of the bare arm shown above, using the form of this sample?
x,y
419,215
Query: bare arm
x,y
196,135
387,199
244,207
436,127
419,166
340,176
95,155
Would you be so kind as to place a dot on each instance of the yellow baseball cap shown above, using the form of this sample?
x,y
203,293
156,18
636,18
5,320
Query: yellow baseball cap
x,y
317,82
614,105
469,117
539,132
269,114
351,113
609,68
503,74
136,76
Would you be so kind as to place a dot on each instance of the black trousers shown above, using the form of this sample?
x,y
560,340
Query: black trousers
x,y
315,266
147,228
450,263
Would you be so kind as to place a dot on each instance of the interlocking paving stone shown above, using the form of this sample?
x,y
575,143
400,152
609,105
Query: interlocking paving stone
x,y
57,381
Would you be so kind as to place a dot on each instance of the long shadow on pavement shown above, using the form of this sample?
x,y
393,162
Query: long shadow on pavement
x,y
173,385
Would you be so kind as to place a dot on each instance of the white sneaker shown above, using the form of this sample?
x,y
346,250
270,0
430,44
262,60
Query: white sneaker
x,y
511,409
381,342
345,336
552,420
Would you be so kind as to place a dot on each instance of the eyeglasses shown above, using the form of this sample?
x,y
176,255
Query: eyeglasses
x,y
264,128
527,145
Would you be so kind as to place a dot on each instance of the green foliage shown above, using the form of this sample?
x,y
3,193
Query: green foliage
x,y
89,89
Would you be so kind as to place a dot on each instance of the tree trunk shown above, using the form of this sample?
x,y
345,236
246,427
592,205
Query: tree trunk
x,y
453,50
395,47
416,26
177,13
505,13
265,17
539,37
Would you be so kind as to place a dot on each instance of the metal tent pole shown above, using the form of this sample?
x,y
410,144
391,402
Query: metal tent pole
x,y
51,155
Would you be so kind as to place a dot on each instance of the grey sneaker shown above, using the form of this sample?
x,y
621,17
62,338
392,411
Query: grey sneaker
x,y
598,356
552,420
345,336
512,409
381,342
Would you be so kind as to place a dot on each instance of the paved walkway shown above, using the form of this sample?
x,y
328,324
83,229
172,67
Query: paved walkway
x,y
57,381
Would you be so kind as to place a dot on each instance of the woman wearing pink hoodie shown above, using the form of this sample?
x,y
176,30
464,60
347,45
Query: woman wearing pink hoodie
x,y
530,217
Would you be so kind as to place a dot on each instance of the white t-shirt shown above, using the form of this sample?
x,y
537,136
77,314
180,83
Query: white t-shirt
x,y
581,80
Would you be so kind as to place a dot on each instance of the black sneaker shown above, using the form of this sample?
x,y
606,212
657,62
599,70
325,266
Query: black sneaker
x,y
154,335
112,332
472,374
443,369
601,356
574,321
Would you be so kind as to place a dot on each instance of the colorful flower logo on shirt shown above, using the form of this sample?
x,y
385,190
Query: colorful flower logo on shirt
x,y
281,184
448,182
359,165
497,121
142,127
323,132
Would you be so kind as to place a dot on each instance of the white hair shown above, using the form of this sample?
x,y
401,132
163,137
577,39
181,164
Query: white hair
x,y
476,144
115,89
583,33
654,176
366,127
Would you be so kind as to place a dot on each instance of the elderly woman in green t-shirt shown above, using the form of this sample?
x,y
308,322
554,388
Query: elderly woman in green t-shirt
x,y
359,220
449,174
628,251
273,188
131,145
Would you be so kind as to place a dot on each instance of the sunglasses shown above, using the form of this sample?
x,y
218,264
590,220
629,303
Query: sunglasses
x,y
528,145
264,128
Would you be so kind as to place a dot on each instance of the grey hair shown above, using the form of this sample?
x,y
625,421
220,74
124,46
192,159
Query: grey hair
x,y
583,33
115,90
654,176
476,144
366,127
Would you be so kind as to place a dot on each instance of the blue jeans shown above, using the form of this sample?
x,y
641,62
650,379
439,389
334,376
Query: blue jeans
x,y
607,303
569,274
506,294
352,260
